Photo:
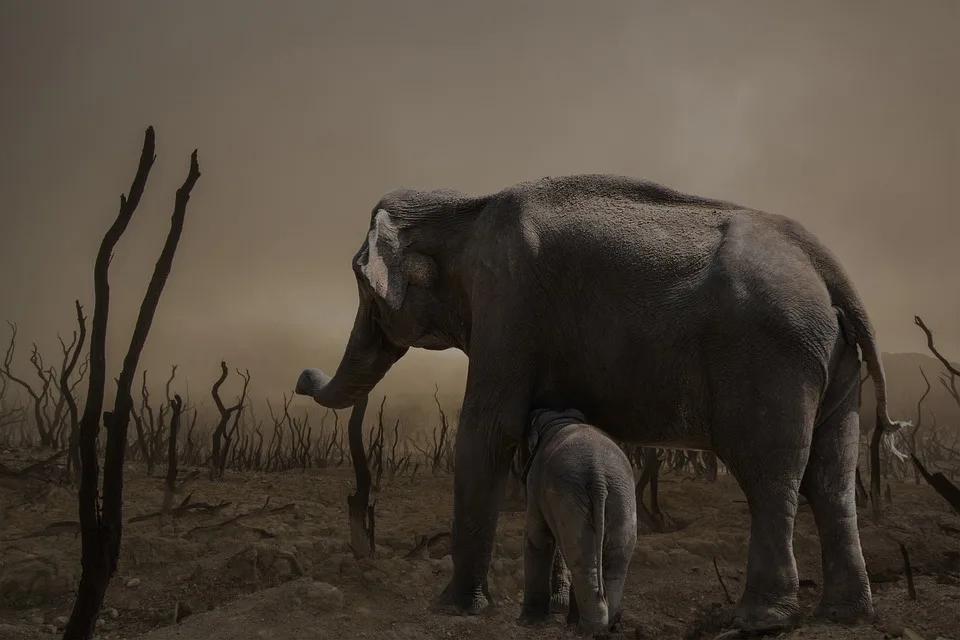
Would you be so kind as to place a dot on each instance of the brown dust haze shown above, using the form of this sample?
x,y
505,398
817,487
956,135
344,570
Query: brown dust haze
x,y
842,115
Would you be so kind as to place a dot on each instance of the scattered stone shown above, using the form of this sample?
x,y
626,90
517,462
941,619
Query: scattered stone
x,y
374,575
180,611
324,596
349,567
48,628
60,621
445,564
133,582
113,613
37,620
100,622
894,628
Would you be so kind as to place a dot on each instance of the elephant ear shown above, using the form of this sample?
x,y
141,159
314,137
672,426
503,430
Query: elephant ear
x,y
383,267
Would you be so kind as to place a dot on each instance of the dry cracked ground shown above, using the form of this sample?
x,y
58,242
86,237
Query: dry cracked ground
x,y
283,569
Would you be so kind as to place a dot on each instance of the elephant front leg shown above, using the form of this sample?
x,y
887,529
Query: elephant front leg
x,y
480,474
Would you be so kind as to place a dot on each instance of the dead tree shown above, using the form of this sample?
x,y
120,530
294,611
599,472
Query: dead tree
x,y
39,397
918,424
362,522
9,414
71,353
170,482
949,378
67,394
947,490
101,519
221,439
440,444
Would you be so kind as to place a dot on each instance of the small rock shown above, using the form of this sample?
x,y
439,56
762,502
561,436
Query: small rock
x,y
113,613
349,567
374,575
100,622
48,628
894,628
60,621
133,582
446,564
497,565
324,596
180,611
37,620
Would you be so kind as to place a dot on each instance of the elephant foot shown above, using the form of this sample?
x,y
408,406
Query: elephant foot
x,y
592,627
764,619
843,612
559,602
458,601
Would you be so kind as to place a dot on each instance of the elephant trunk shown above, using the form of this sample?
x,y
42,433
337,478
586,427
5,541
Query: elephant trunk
x,y
367,358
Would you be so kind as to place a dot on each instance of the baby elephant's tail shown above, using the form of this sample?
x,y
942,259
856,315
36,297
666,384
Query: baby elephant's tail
x,y
599,517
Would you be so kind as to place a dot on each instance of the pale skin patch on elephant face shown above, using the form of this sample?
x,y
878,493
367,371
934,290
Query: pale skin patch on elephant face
x,y
404,282
379,267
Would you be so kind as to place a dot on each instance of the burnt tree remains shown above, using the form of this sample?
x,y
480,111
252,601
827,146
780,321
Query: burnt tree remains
x,y
101,522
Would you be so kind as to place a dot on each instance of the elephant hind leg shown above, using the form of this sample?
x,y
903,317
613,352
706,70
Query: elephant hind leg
x,y
829,485
588,607
763,435
617,553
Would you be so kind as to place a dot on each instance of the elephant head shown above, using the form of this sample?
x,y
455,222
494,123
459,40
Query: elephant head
x,y
411,293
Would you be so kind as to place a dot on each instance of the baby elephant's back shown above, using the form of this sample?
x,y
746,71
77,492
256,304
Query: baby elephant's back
x,y
586,458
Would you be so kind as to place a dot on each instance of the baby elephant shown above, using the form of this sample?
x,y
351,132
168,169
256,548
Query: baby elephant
x,y
580,497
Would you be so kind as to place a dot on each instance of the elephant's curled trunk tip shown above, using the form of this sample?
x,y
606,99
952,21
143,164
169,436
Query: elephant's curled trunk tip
x,y
311,382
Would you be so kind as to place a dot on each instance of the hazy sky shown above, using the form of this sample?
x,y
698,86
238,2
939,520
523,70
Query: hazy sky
x,y
842,115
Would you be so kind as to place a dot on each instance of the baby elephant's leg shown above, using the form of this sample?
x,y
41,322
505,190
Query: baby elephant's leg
x,y
559,584
617,551
579,543
538,555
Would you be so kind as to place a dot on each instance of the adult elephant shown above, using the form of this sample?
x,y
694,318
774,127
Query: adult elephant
x,y
668,319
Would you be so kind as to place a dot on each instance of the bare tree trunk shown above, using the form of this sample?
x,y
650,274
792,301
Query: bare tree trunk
x,y
362,522
68,396
101,522
170,482
947,490
221,440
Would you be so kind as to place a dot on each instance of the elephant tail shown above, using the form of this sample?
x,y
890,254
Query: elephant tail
x,y
845,297
599,519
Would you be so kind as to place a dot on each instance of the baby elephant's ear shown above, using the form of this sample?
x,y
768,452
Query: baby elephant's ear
x,y
383,266
534,439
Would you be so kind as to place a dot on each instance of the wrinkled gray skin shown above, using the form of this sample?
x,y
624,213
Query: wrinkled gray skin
x,y
698,323
581,502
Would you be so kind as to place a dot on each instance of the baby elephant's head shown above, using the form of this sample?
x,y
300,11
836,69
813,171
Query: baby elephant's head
x,y
541,419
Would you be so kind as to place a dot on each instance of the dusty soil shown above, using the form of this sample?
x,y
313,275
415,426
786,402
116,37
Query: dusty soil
x,y
285,571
